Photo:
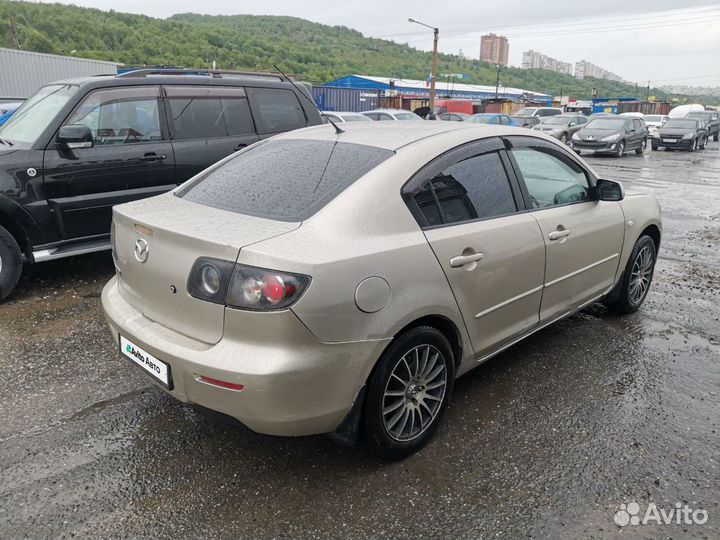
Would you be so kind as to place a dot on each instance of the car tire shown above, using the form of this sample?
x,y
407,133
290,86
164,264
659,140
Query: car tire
x,y
10,263
637,277
655,147
398,397
620,149
704,143
716,137
643,145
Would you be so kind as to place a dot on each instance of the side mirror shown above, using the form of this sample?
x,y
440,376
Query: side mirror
x,y
75,136
609,190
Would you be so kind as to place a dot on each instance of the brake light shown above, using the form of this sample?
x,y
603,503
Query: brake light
x,y
244,287
260,289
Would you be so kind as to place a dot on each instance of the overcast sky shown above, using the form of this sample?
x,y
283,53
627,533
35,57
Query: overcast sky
x,y
665,41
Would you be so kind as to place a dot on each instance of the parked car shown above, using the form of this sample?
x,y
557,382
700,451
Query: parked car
x,y
682,110
683,133
712,122
7,110
392,114
77,148
454,117
342,117
318,282
611,135
653,122
526,121
561,126
539,111
633,114
492,118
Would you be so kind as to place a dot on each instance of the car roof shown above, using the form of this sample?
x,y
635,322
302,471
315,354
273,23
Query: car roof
x,y
388,111
395,135
348,113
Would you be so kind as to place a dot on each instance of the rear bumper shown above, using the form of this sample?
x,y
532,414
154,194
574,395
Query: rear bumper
x,y
294,384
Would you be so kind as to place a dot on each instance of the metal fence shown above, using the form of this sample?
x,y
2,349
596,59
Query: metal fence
x,y
23,72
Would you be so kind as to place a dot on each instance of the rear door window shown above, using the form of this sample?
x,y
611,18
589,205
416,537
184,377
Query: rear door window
x,y
287,179
472,184
276,110
207,112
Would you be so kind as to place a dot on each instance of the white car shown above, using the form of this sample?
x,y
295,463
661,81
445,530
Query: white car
x,y
344,116
655,122
392,114
539,111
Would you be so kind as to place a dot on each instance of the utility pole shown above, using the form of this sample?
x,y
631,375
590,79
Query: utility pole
x,y
497,80
434,70
647,95
433,75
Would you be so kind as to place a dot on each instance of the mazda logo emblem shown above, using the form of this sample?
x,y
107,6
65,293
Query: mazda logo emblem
x,y
142,250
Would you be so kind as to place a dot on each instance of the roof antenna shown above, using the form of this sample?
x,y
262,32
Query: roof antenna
x,y
288,79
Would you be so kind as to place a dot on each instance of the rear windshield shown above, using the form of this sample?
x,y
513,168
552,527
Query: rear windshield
x,y
287,179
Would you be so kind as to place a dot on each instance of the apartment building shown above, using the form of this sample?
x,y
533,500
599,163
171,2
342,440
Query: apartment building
x,y
584,69
534,60
494,49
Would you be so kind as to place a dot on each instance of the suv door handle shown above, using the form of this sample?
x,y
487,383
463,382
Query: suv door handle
x,y
152,156
557,235
462,260
240,146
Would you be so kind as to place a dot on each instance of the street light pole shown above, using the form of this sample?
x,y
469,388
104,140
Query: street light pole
x,y
433,75
497,81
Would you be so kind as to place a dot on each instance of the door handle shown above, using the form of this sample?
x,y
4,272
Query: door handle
x,y
151,156
557,235
462,260
240,146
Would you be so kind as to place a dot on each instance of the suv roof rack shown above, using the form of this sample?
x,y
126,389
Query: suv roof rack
x,y
214,73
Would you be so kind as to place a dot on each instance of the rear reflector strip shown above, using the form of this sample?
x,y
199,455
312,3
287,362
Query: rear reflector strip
x,y
221,384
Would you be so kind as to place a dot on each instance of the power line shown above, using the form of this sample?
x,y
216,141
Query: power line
x,y
599,29
594,21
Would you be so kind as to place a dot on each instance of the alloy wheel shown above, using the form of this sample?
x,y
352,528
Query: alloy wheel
x,y
620,149
641,275
414,393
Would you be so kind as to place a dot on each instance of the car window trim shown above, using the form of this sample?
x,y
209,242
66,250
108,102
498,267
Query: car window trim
x,y
251,105
474,148
164,133
592,180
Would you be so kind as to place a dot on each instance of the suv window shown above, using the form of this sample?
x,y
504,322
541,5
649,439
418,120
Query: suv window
x,y
638,124
202,112
473,187
288,179
276,110
120,115
551,177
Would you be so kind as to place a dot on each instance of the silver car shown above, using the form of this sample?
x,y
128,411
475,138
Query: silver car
x,y
561,126
319,282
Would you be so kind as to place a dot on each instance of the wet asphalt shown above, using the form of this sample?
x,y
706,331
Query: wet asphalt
x,y
546,440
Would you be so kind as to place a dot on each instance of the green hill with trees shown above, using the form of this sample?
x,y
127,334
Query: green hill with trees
x,y
312,51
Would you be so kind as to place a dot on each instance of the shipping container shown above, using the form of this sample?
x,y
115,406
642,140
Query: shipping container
x,y
23,72
345,99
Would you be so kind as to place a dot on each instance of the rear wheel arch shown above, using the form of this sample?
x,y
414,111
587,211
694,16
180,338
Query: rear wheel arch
x,y
445,326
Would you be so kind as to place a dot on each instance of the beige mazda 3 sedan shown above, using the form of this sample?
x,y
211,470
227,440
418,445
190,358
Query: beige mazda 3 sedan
x,y
323,282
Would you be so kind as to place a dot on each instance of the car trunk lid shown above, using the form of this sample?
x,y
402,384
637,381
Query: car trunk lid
x,y
170,234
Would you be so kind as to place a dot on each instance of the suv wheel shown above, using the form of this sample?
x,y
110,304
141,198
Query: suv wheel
x,y
408,393
716,137
10,263
635,283
620,149
641,150
694,145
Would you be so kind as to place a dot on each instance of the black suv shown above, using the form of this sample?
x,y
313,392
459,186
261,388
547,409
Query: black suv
x,y
78,147
712,122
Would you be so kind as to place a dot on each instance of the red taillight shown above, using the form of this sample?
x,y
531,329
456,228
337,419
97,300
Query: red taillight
x,y
274,289
221,384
